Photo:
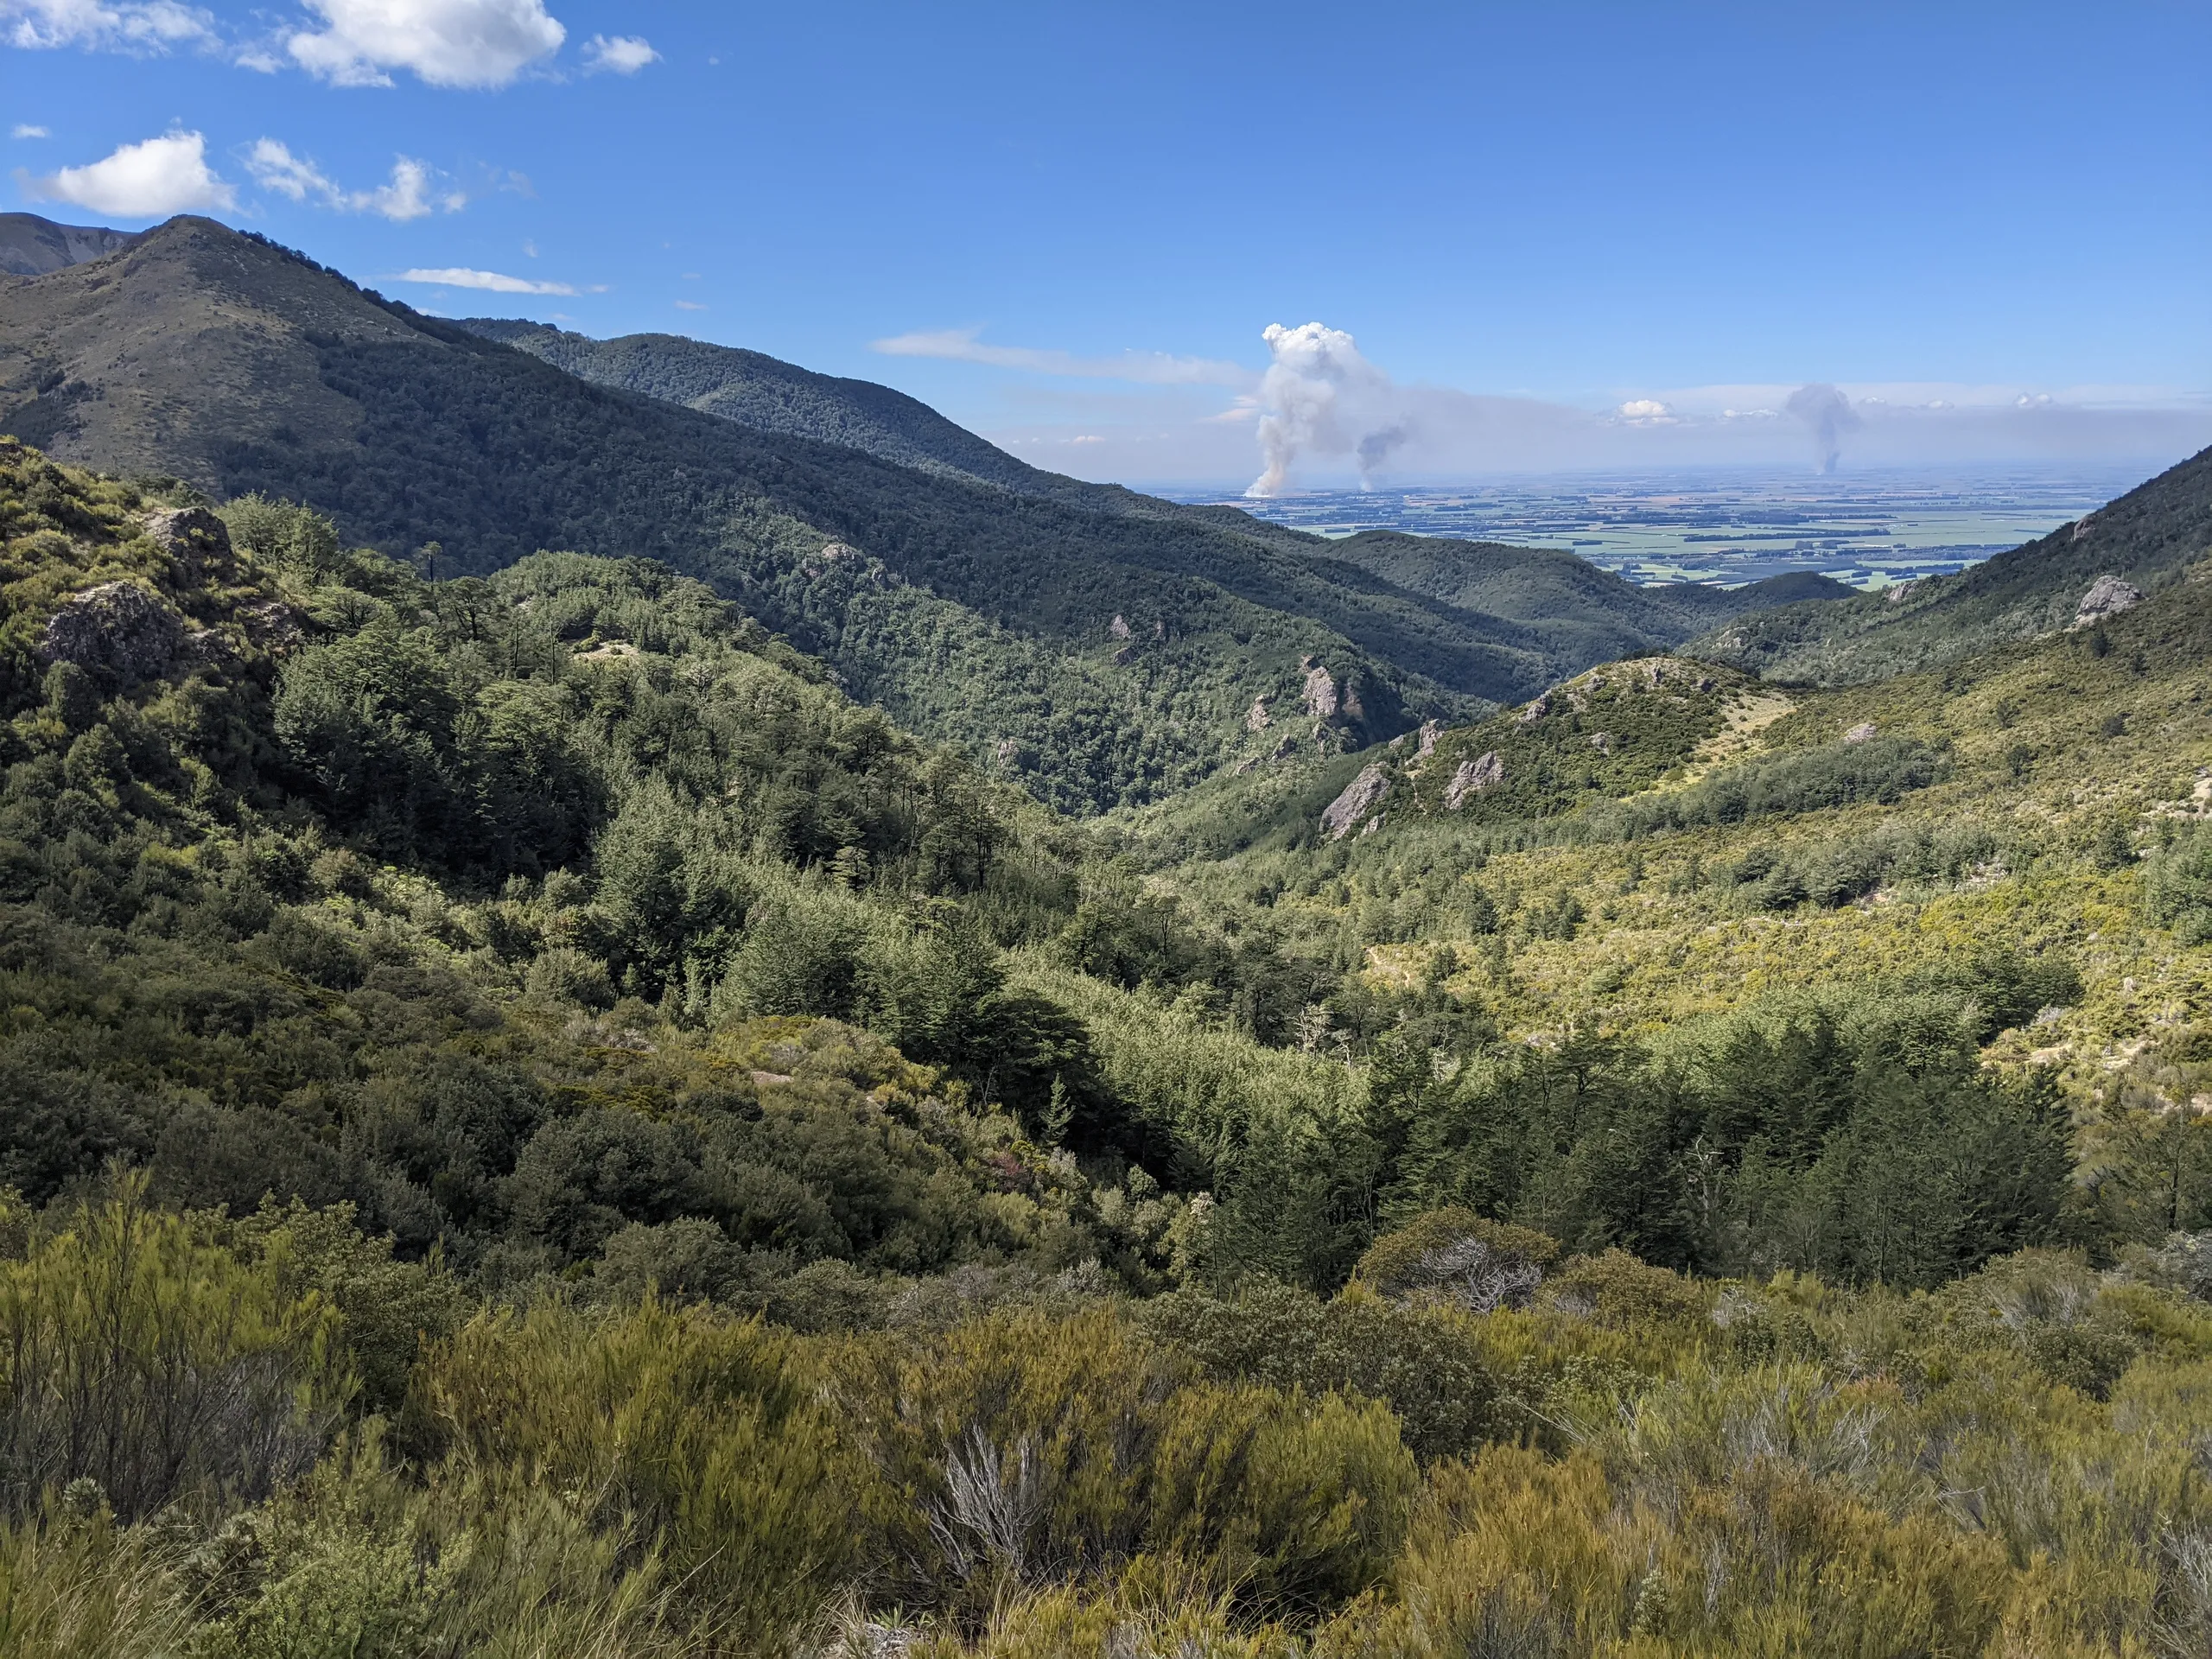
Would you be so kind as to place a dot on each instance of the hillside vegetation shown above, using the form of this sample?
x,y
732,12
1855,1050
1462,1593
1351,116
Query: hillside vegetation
x,y
2145,539
1096,646
535,1123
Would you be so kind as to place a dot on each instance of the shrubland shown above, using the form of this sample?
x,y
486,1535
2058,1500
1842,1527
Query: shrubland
x,y
534,1123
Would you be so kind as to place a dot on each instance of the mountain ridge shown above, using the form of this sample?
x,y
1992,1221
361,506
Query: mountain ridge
x,y
32,246
2144,539
1117,652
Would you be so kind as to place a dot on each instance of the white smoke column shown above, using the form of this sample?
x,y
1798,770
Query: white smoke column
x,y
1828,414
1321,396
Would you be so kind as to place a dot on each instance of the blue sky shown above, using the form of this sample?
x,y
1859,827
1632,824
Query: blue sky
x,y
1560,235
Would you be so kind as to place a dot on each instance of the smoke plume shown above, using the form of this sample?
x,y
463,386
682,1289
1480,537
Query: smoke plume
x,y
1321,396
1828,414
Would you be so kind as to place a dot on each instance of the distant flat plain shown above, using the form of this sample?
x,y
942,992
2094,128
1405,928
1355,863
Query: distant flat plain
x,y
1869,528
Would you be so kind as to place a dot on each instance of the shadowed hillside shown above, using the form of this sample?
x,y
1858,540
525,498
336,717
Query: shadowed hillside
x,y
1099,656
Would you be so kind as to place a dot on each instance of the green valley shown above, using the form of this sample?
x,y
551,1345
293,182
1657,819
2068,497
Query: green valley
x,y
662,1011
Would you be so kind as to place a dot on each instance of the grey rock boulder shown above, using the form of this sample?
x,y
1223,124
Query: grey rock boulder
x,y
1361,797
1473,777
2107,596
120,630
196,540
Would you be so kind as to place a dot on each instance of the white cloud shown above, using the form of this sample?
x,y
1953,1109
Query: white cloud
x,y
492,281
275,168
1152,368
410,194
445,42
25,129
625,54
690,305
139,26
1645,411
152,180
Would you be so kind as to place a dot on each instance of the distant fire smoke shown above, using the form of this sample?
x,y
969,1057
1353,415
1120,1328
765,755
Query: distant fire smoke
x,y
1828,414
1321,396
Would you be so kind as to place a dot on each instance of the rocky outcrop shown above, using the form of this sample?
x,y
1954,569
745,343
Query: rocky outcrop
x,y
272,625
1534,712
120,630
1119,627
1361,797
1256,718
2107,596
1473,777
1861,732
197,541
1321,693
1430,731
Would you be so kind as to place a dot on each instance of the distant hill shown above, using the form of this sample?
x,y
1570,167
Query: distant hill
x,y
769,395
1593,614
1097,645
31,246
2143,540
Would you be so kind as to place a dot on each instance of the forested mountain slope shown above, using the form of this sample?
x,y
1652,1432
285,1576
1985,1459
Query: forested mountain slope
x,y
755,390
2142,540
1098,655
534,1124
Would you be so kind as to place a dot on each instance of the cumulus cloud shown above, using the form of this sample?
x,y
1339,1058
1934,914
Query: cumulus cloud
x,y
275,168
25,129
408,195
1645,411
444,42
411,194
1150,368
623,54
1827,414
491,282
139,26
151,180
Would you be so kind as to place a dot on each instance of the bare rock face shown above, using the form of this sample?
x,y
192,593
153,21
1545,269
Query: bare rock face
x,y
1256,718
120,630
1321,693
1119,627
2082,526
2107,596
1473,776
1534,712
1361,797
1601,741
1861,733
1430,731
197,540
272,625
